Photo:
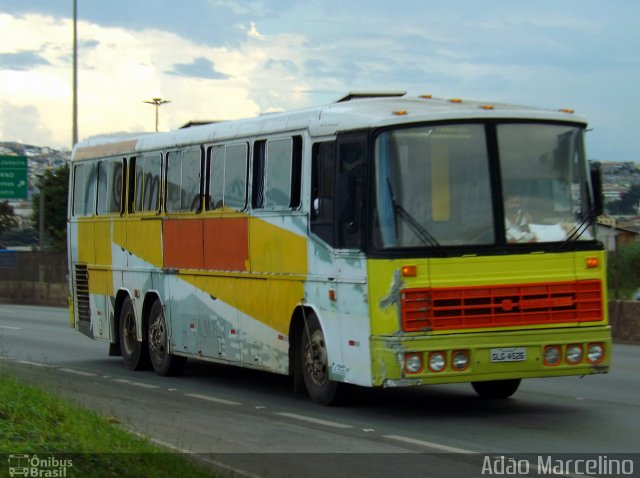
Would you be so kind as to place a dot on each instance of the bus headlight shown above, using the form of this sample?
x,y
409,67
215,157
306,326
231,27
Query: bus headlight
x,y
413,363
437,361
552,355
574,354
460,360
595,353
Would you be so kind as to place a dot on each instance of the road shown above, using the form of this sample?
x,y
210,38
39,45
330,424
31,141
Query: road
x,y
250,423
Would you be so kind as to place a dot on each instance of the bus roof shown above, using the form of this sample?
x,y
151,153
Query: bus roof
x,y
353,112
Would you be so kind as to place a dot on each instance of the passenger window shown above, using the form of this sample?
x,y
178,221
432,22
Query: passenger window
x,y
277,173
78,190
148,183
110,184
84,188
183,180
228,176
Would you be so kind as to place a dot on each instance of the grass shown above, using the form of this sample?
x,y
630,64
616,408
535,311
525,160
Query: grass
x,y
36,422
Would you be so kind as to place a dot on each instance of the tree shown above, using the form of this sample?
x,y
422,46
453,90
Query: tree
x,y
55,183
624,269
8,219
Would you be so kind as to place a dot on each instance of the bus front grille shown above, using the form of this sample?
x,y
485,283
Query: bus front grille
x,y
501,305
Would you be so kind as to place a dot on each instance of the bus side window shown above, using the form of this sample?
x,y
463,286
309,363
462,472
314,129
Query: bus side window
x,y
183,180
90,176
277,168
350,181
323,167
78,190
148,183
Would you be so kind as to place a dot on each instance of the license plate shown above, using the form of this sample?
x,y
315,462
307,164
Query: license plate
x,y
512,354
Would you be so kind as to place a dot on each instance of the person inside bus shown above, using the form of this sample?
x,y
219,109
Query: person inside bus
x,y
517,220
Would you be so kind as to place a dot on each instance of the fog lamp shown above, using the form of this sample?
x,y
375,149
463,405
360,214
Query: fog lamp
x,y
574,353
552,355
460,359
595,353
413,363
437,361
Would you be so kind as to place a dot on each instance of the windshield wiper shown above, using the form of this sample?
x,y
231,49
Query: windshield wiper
x,y
579,229
413,223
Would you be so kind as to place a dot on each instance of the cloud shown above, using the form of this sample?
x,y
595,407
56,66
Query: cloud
x,y
198,68
22,60
22,123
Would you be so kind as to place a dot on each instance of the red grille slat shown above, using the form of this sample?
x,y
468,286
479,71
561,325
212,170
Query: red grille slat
x,y
501,306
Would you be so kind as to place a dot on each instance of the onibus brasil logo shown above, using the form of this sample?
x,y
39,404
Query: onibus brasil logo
x,y
34,466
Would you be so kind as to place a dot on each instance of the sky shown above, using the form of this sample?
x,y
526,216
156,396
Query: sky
x,y
228,59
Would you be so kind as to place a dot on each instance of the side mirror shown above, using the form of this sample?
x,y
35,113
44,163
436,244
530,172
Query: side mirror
x,y
596,184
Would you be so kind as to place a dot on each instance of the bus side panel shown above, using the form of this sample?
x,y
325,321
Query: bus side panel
x,y
337,292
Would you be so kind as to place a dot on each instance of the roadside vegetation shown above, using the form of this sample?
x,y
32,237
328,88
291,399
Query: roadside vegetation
x,y
38,423
624,272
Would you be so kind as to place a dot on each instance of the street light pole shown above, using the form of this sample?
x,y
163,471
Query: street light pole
x,y
74,135
157,102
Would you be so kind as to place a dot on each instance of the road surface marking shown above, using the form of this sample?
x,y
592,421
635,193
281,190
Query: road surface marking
x,y
35,364
137,384
212,399
317,421
11,328
428,444
79,372
199,457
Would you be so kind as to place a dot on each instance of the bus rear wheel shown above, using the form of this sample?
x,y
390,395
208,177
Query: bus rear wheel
x,y
163,362
314,363
134,352
496,388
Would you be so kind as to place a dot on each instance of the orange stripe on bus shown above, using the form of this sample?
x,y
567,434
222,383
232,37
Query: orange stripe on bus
x,y
226,243
182,243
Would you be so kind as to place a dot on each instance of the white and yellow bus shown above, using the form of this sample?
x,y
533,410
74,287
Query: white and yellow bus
x,y
379,241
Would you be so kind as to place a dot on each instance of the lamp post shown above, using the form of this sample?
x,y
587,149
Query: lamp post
x,y
74,134
157,102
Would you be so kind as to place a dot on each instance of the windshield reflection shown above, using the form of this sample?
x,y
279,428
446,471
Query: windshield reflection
x,y
433,187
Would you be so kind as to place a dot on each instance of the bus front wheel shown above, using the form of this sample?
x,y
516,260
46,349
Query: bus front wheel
x,y
314,363
164,363
134,352
496,388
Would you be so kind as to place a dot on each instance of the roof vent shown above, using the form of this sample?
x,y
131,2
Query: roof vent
x,y
358,96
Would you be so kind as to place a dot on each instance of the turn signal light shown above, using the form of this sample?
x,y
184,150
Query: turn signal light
x,y
592,262
409,271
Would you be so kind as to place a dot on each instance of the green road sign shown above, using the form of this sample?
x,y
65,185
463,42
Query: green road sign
x,y
14,181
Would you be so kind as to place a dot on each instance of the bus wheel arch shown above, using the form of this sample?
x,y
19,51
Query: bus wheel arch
x,y
309,358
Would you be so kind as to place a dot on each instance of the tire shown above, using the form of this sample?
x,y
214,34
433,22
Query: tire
x,y
496,388
134,353
164,363
314,363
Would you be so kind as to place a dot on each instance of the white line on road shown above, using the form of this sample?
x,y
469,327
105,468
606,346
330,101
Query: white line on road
x,y
11,328
198,456
137,384
79,372
212,399
35,364
317,421
428,444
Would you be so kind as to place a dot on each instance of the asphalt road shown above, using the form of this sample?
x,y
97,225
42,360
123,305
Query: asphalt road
x,y
250,423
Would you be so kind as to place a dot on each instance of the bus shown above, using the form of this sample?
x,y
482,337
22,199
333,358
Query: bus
x,y
379,241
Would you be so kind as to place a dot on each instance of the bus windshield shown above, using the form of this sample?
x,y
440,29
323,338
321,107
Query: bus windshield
x,y
433,185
